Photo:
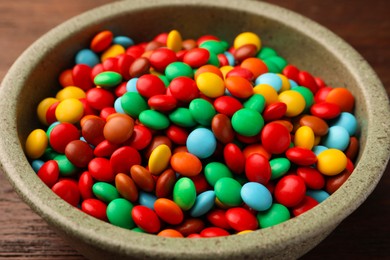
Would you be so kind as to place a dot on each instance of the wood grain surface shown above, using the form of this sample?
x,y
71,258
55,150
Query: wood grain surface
x,y
363,24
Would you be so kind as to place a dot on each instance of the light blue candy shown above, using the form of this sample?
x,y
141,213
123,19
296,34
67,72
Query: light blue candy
x,y
318,195
337,138
123,40
201,142
36,165
318,149
118,106
131,85
204,203
271,79
87,57
256,196
348,121
230,58
293,84
146,199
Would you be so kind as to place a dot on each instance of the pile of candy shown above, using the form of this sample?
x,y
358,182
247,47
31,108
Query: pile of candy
x,y
192,138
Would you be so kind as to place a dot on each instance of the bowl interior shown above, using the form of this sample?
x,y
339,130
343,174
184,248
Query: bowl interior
x,y
303,43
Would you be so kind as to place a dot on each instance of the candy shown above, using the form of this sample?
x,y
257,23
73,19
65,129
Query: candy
x,y
191,137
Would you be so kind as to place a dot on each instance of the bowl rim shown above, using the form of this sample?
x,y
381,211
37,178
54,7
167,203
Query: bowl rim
x,y
92,231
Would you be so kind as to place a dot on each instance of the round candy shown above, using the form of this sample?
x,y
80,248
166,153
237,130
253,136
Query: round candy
x,y
331,162
184,193
101,170
214,171
304,137
256,196
36,143
70,110
201,142
290,190
202,111
67,190
105,191
95,208
49,173
210,84
337,137
183,89
159,159
174,41
247,122
239,86
61,135
228,191
123,158
118,129
126,187
275,138
247,38
107,79
133,104
142,177
79,153
294,101
203,203
154,119
257,168
276,214
271,79
119,213
241,219
168,211
348,121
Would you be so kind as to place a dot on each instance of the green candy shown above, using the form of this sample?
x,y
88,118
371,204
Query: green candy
x,y
182,117
266,52
276,214
107,79
247,122
177,69
137,229
119,213
154,119
184,193
278,61
213,46
164,79
215,170
133,104
255,102
105,191
50,128
228,191
272,66
213,59
66,167
307,95
202,111
279,167
49,154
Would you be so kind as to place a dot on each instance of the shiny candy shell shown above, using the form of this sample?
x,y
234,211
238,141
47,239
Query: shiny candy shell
x,y
184,193
201,142
159,159
256,196
241,219
275,138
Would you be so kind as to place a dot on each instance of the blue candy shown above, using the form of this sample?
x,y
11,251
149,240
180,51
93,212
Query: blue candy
x,y
348,121
123,40
87,57
204,203
118,106
271,79
318,149
146,199
36,165
337,137
256,196
131,85
318,195
201,142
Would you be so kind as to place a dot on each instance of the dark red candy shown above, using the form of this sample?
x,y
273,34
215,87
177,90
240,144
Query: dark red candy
x,y
165,182
124,158
150,85
290,190
222,128
257,168
325,110
306,204
139,67
49,173
67,189
301,156
79,153
162,102
200,183
190,226
95,208
245,51
92,130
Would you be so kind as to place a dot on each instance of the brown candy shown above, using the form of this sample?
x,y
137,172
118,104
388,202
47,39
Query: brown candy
x,y
92,130
126,187
165,183
222,128
318,125
142,177
244,52
79,153
190,226
139,67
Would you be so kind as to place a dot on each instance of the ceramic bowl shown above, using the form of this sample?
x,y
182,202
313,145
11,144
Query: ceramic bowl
x,y
301,41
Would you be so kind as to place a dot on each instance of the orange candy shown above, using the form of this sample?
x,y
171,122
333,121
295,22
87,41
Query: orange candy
x,y
239,86
256,148
169,233
186,164
255,65
342,97
101,41
66,78
168,211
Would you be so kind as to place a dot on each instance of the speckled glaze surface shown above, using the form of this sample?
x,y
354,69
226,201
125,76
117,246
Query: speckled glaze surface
x,y
301,41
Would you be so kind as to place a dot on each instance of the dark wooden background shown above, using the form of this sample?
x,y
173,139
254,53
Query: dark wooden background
x,y
363,24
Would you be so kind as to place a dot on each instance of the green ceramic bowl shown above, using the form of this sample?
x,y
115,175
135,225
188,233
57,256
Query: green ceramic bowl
x,y
301,41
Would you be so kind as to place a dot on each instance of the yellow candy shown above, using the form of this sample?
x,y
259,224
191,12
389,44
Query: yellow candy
x,y
70,110
210,84
159,159
285,83
304,137
317,140
225,70
43,107
244,232
247,38
294,101
268,92
113,51
174,41
36,143
331,162
70,92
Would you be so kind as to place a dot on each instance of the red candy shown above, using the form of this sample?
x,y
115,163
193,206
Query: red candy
x,y
161,58
227,105
234,158
312,177
146,219
257,168
213,232
162,102
101,170
241,219
61,135
325,110
290,190
196,57
67,190
95,208
49,173
306,204
81,76
275,138
124,158
301,156
99,98
85,185
183,89
150,85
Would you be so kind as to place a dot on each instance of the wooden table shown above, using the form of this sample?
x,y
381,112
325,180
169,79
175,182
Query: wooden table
x,y
363,24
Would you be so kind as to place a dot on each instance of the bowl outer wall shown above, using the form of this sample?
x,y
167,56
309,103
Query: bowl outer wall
x,y
292,238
